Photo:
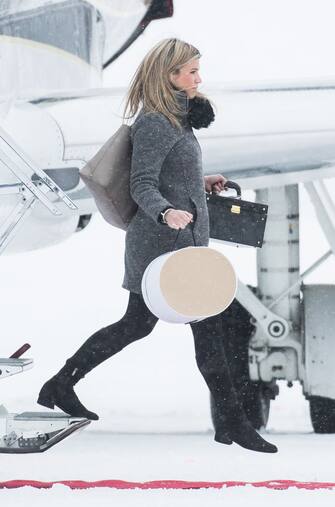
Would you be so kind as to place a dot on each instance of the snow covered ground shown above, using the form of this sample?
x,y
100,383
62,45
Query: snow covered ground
x,y
153,404
231,497
193,457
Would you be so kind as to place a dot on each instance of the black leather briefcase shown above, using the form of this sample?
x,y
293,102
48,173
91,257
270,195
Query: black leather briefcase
x,y
234,220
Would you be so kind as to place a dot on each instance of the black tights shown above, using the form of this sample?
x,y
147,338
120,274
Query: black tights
x,y
137,323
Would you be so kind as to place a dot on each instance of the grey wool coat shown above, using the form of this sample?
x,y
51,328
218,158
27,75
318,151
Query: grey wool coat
x,y
166,171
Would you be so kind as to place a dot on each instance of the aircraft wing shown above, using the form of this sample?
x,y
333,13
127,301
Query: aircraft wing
x,y
275,134
262,136
264,177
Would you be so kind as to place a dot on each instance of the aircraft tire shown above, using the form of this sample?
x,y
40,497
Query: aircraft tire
x,y
256,396
322,411
256,403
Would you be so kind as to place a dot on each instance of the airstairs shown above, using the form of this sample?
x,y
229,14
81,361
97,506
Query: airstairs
x,y
31,185
28,432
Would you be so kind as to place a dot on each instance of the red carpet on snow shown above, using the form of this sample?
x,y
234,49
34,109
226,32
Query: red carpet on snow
x,y
169,484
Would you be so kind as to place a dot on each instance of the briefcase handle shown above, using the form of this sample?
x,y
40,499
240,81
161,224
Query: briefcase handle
x,y
234,186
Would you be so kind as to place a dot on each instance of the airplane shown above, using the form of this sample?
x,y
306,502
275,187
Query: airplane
x,y
270,138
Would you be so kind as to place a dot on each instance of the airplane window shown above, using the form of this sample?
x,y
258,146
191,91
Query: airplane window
x,y
68,25
96,31
121,20
129,22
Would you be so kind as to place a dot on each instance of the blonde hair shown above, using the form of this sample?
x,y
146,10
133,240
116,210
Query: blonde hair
x,y
151,86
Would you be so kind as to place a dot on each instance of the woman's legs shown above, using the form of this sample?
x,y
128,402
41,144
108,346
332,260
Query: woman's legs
x,y
136,323
212,363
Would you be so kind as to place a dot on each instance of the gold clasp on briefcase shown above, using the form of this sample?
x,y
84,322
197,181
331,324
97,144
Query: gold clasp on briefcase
x,y
235,209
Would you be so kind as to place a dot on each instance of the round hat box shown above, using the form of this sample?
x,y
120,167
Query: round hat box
x,y
189,284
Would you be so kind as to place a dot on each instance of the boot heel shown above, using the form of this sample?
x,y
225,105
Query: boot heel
x,y
46,398
46,402
59,393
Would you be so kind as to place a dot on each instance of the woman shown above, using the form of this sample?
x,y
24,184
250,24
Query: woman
x,y
168,185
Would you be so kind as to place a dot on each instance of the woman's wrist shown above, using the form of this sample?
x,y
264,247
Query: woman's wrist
x,y
162,215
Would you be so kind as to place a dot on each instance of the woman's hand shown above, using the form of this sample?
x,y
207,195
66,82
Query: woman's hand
x,y
215,183
178,219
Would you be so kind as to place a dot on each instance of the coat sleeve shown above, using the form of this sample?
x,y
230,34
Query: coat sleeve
x,y
153,138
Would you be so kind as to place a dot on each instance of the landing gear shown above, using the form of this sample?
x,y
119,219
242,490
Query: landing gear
x,y
256,402
256,396
322,411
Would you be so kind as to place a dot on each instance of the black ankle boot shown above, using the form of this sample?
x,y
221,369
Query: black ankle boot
x,y
222,436
231,423
243,434
220,425
59,391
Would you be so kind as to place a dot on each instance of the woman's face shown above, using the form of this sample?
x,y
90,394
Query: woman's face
x,y
188,78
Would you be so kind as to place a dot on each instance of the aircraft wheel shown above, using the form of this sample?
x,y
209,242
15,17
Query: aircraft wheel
x,y
322,411
256,396
256,403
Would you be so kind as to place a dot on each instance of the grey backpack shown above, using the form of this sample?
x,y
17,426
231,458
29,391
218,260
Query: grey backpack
x,y
107,175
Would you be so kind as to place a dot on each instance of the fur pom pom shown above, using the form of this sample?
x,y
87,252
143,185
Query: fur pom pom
x,y
200,113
